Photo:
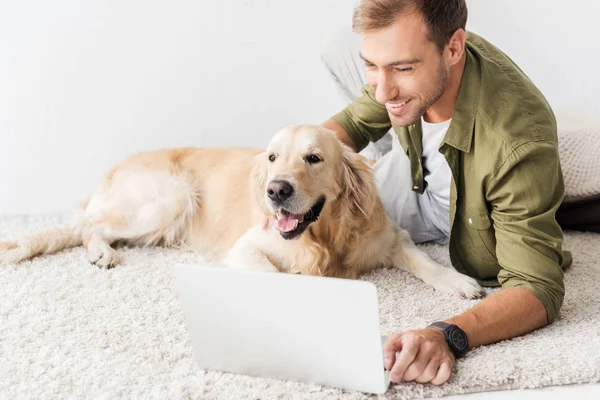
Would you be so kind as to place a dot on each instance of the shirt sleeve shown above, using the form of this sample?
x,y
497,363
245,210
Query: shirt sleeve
x,y
365,119
525,193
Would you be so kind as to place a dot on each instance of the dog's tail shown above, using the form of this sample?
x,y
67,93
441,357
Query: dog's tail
x,y
46,242
50,241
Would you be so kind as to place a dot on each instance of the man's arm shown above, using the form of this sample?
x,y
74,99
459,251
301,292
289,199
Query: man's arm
x,y
363,121
524,194
424,355
508,313
340,132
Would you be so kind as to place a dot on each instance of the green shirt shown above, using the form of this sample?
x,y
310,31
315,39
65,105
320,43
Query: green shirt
x,y
507,182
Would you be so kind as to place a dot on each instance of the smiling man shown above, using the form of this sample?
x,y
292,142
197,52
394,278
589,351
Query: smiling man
x,y
474,164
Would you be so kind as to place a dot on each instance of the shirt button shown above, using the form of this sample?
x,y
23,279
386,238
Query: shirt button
x,y
415,187
470,221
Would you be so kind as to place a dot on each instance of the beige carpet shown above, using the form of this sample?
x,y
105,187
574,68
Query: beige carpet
x,y
68,329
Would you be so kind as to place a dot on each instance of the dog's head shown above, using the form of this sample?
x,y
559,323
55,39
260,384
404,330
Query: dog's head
x,y
306,173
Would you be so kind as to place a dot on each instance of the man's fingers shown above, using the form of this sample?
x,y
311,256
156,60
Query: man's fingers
x,y
391,346
407,355
417,366
429,372
417,356
443,374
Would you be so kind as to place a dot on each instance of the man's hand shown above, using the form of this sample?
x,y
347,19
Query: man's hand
x,y
422,356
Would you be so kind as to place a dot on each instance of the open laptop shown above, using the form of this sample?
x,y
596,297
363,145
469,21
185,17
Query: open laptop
x,y
308,329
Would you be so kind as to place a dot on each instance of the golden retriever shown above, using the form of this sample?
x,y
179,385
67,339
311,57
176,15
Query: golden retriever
x,y
308,204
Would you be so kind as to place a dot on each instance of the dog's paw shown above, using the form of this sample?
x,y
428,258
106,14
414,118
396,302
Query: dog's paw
x,y
103,257
11,253
6,246
460,285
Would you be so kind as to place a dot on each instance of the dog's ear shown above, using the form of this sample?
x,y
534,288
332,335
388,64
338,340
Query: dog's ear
x,y
258,181
358,183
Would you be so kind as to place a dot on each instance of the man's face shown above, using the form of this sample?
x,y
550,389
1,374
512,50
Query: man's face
x,y
405,68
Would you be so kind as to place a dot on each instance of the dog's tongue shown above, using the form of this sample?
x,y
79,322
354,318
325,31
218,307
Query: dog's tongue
x,y
288,222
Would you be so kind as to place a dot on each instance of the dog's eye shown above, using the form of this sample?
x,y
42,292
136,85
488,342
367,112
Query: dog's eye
x,y
313,159
272,157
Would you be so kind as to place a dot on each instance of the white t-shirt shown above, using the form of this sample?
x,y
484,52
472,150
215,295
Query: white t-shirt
x,y
436,170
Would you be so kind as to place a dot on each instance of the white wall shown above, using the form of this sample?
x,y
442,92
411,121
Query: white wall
x,y
556,42
83,84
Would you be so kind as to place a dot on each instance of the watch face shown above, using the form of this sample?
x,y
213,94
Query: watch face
x,y
458,339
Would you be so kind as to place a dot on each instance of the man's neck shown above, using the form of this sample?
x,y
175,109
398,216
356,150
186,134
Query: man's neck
x,y
443,109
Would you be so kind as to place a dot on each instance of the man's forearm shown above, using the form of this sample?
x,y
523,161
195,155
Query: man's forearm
x,y
340,132
508,313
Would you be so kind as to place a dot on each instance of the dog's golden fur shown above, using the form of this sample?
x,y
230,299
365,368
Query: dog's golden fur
x,y
213,201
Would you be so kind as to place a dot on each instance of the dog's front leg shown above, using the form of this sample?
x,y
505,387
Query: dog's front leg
x,y
410,258
249,252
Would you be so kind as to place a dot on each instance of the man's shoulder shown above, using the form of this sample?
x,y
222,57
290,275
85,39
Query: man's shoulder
x,y
510,104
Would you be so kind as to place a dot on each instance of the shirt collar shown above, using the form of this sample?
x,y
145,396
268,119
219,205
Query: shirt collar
x,y
460,132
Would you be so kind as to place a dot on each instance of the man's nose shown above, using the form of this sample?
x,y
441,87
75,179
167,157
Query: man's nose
x,y
386,90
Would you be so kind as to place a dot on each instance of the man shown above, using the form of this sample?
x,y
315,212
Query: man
x,y
477,167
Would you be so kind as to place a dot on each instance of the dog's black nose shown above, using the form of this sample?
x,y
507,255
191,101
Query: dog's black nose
x,y
279,191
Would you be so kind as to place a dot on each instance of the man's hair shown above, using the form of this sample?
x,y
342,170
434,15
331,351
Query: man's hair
x,y
443,17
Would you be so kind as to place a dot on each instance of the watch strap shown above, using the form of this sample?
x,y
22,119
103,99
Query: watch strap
x,y
439,324
447,328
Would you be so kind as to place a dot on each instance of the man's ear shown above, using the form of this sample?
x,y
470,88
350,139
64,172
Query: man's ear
x,y
456,46
258,180
358,183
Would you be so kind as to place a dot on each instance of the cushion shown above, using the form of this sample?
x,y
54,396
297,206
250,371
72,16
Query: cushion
x,y
579,149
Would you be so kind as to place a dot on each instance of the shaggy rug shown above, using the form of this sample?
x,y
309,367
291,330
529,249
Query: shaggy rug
x,y
69,329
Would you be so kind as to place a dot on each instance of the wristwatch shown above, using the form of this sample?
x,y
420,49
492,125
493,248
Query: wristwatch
x,y
455,337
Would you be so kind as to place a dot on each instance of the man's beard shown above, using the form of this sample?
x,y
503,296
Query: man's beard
x,y
441,83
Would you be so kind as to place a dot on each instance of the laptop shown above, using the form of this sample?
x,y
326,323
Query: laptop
x,y
308,329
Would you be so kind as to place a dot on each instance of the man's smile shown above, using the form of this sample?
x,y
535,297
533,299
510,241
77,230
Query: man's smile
x,y
396,108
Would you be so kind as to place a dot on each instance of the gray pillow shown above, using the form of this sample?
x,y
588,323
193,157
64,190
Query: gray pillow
x,y
579,149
